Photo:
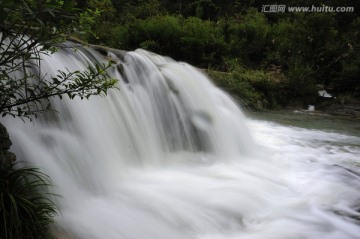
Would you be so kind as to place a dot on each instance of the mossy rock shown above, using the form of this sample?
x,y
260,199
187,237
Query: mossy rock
x,y
6,158
5,141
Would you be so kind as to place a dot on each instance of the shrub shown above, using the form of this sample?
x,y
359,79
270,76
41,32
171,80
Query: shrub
x,y
160,34
25,208
249,38
241,89
203,42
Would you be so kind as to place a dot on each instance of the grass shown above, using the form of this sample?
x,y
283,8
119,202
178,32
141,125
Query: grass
x,y
25,208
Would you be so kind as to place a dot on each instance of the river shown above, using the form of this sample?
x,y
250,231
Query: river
x,y
171,156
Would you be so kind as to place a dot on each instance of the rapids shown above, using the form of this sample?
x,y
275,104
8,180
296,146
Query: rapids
x,y
169,155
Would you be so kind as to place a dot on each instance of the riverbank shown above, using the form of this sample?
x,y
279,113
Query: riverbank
x,y
344,110
317,120
335,109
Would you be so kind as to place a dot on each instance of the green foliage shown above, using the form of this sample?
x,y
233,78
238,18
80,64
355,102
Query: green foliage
x,y
164,31
88,19
46,19
25,208
203,9
194,40
30,30
347,75
28,95
203,39
301,84
93,16
239,84
311,49
249,38
143,9
349,79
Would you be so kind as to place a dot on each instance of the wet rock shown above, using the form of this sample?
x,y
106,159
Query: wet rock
x,y
5,141
7,158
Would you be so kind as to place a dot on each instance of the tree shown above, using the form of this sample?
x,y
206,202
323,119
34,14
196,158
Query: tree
x,y
28,30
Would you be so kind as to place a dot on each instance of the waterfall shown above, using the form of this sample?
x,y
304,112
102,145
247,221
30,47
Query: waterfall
x,y
168,155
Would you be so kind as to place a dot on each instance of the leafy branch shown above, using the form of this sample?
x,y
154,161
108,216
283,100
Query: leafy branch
x,y
30,30
26,96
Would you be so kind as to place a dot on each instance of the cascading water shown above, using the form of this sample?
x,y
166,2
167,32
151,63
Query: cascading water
x,y
169,156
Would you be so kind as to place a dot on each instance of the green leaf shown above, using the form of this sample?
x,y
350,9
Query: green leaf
x,y
68,5
51,13
7,3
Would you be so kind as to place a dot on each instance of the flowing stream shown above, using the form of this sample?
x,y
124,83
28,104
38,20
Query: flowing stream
x,y
171,156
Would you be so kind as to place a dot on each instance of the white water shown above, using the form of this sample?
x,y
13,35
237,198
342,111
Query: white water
x,y
170,156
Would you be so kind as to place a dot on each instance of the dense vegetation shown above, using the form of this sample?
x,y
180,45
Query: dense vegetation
x,y
267,59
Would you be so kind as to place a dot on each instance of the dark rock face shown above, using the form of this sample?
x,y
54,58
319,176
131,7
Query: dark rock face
x,y
6,158
5,141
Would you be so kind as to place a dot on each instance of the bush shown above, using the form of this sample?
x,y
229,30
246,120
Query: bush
x,y
235,84
160,34
25,209
301,84
249,38
203,42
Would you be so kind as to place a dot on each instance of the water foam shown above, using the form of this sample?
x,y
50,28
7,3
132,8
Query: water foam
x,y
170,156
